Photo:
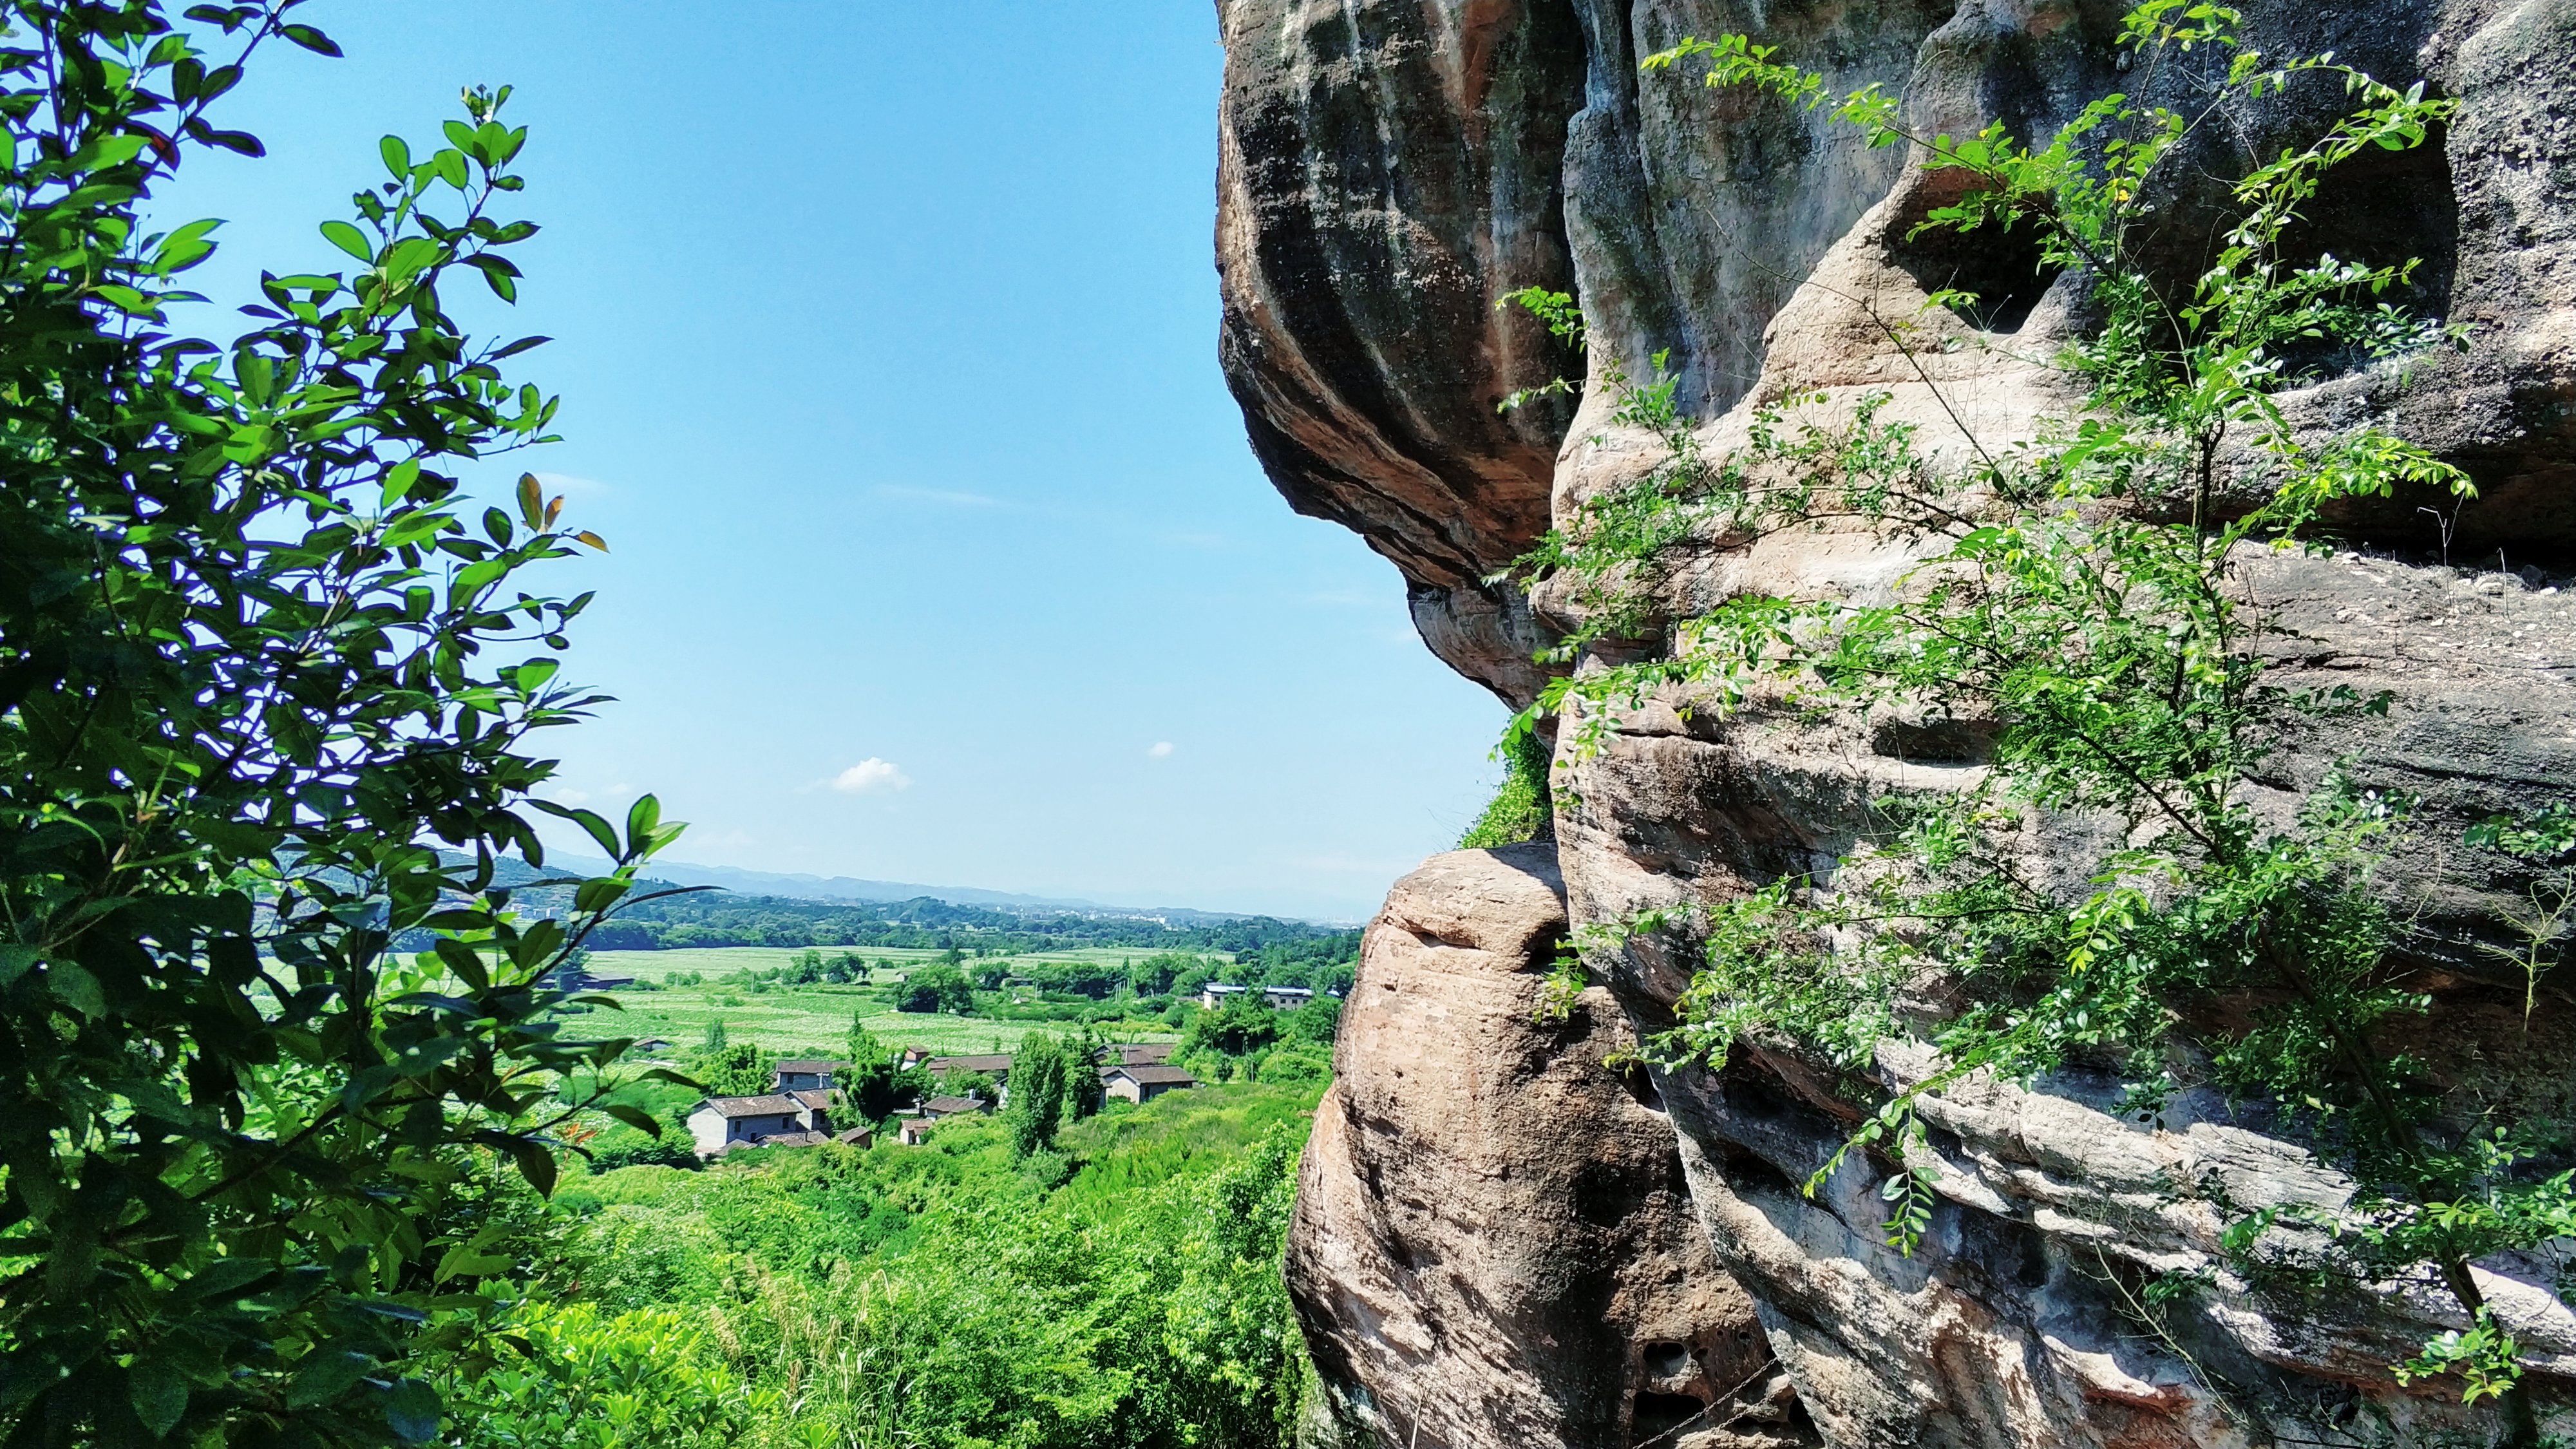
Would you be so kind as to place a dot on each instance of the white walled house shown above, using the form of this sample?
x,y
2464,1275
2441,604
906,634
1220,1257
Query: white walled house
x,y
776,1119
720,1123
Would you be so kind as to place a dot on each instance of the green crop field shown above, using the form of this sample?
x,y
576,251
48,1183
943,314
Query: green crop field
x,y
806,1018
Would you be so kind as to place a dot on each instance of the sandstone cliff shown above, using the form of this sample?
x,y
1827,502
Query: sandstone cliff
x,y
1389,170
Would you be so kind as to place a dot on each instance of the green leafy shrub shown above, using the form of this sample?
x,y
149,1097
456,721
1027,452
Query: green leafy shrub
x,y
576,1376
268,682
735,1069
1295,1064
1523,807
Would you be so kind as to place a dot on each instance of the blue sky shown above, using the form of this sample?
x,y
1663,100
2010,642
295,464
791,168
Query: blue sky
x,y
886,338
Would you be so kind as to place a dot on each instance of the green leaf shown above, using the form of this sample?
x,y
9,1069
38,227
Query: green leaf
x,y
641,819
159,1392
185,247
412,1411
397,156
76,988
348,239
591,823
325,1374
310,38
635,1117
534,1159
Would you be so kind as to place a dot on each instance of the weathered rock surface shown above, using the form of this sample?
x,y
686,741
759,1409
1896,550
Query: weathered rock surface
x,y
1763,251
1494,1245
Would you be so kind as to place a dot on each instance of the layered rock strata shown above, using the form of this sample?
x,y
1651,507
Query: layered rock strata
x,y
1391,170
1494,1243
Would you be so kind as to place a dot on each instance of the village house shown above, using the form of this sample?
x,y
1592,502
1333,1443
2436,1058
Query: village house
x,y
1138,1054
913,1129
776,1119
799,1074
1142,1084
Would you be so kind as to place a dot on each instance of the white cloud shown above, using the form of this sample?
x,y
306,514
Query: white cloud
x,y
571,797
1159,750
567,483
871,774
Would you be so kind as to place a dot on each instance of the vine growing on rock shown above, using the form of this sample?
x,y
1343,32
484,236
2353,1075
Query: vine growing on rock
x,y
2077,600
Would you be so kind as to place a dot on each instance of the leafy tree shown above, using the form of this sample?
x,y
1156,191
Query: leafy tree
x,y
874,1082
742,1069
1157,973
1245,1026
956,1082
267,686
714,1039
1040,1087
929,989
1316,1022
1085,1092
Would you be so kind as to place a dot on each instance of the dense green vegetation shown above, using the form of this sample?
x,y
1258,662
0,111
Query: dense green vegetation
x,y
805,1000
2082,595
722,919
1523,807
258,653
1117,1285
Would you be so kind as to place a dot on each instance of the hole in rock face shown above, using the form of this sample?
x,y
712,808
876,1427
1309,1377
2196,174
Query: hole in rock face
x,y
1641,1088
2001,267
1933,741
1666,1360
2381,209
1657,1415
1747,1172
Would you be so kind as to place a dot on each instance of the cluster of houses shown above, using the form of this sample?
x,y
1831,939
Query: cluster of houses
x,y
797,1110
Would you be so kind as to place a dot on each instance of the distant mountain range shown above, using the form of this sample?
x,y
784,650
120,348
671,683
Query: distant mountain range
x,y
847,888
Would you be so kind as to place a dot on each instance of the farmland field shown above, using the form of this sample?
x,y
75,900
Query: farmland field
x,y
808,1018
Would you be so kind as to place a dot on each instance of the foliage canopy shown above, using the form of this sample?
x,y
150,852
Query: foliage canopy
x,y
267,688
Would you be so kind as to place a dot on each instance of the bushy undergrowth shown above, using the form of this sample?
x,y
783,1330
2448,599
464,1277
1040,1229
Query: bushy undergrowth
x,y
1523,808
942,1295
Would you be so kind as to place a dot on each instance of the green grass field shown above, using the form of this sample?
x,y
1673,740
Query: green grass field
x,y
807,1018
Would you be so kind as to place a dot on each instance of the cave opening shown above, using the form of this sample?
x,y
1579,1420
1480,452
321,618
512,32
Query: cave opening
x,y
2004,270
1658,1415
1666,1360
